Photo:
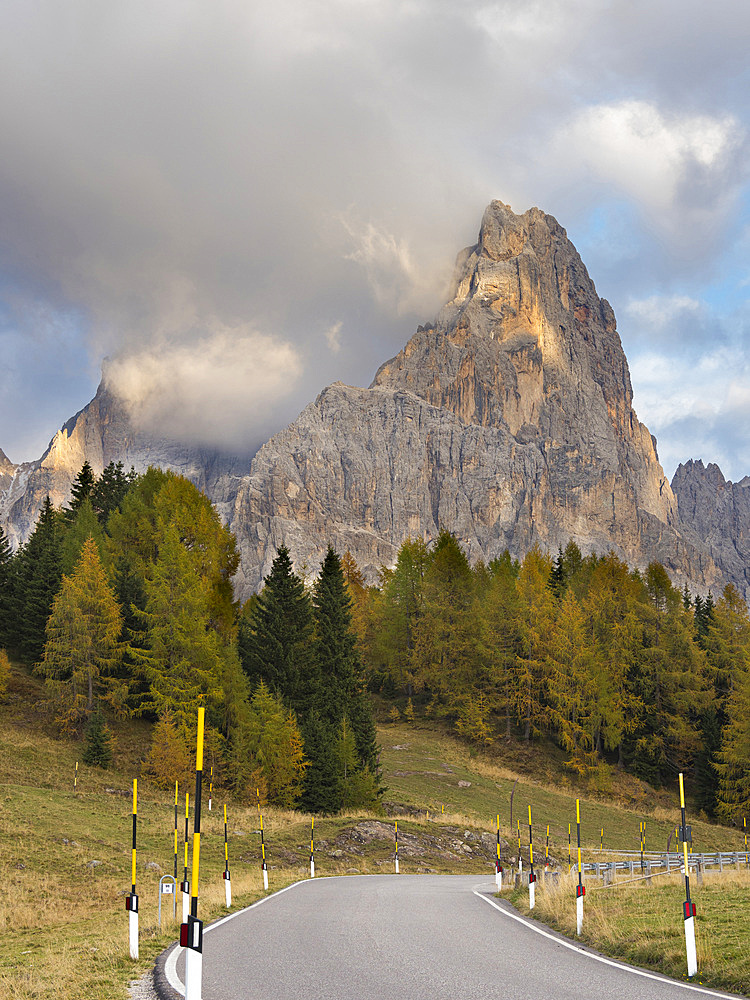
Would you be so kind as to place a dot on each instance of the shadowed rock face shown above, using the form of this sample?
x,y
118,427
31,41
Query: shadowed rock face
x,y
508,420
719,511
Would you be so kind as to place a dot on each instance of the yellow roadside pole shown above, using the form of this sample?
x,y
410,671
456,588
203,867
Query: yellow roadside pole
x,y
226,876
396,835
264,866
498,865
131,900
532,876
580,888
191,932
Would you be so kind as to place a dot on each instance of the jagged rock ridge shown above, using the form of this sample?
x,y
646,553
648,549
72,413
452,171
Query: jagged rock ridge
x,y
508,420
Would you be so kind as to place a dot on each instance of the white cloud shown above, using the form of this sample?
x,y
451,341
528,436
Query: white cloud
x,y
216,390
333,337
649,154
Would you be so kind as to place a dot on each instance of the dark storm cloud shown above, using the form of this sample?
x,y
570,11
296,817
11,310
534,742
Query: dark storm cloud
x,y
241,203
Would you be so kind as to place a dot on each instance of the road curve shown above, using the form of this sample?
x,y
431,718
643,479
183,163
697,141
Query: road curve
x,y
416,937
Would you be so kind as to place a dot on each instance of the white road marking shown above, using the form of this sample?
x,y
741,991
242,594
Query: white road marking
x,y
600,958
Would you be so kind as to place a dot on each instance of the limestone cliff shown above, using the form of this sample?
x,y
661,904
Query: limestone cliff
x,y
508,420
100,433
719,511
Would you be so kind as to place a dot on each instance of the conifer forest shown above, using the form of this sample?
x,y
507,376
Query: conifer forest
x,y
123,603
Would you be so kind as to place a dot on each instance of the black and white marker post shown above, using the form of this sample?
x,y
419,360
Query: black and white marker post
x,y
498,865
396,856
688,907
532,876
520,860
546,850
227,878
131,900
312,847
570,863
191,932
185,885
580,888
263,855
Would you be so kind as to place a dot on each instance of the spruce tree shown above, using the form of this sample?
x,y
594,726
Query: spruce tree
x,y
81,489
98,742
321,790
274,641
7,577
37,580
109,490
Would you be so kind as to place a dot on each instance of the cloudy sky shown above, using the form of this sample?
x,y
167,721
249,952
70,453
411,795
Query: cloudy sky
x,y
229,205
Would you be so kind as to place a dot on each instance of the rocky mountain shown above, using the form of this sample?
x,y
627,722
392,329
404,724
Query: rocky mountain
x,y
719,512
508,419
100,433
7,471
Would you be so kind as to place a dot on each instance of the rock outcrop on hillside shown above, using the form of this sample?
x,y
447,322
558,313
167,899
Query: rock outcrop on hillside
x,y
719,512
508,420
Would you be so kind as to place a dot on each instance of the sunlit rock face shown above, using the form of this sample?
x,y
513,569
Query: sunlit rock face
x,y
100,433
507,420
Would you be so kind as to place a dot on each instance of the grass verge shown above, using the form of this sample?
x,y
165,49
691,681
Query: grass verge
x,y
642,923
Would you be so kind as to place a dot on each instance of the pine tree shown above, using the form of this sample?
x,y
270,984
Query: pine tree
x,y
181,658
38,576
82,525
110,489
98,742
733,759
275,637
268,743
397,614
445,660
535,624
81,489
337,665
7,583
82,648
321,790
168,758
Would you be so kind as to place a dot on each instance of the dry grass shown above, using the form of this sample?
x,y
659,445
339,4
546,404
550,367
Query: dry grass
x,y
642,922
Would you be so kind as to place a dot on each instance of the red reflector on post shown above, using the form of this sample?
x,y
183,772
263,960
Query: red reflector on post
x,y
184,939
580,890
689,909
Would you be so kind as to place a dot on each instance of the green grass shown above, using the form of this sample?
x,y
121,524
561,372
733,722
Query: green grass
x,y
63,920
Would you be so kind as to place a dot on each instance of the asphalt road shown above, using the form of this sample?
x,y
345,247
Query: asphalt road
x,y
442,937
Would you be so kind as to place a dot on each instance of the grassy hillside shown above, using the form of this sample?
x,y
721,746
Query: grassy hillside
x,y
65,855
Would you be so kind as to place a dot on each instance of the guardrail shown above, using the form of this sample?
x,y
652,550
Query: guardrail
x,y
654,863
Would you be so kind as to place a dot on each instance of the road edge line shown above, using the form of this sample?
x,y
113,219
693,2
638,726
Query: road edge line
x,y
581,950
